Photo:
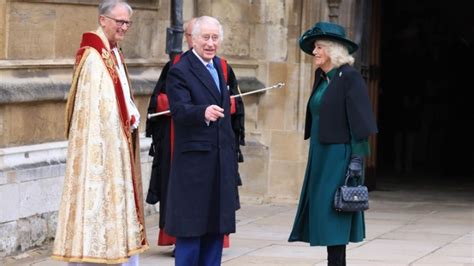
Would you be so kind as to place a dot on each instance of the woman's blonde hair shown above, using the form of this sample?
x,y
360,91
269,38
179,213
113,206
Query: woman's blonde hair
x,y
337,52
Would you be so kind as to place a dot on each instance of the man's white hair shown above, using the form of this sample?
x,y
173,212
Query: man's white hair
x,y
206,20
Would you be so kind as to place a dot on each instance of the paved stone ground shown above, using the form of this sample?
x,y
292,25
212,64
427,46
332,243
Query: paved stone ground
x,y
414,224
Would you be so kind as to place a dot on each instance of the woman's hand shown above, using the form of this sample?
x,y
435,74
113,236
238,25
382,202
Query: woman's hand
x,y
355,166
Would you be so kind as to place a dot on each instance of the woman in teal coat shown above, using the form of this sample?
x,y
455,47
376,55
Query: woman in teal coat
x,y
339,120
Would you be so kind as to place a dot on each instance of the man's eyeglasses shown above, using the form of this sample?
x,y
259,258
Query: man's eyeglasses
x,y
207,37
120,22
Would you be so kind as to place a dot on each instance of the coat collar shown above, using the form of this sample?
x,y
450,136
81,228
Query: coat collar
x,y
201,72
334,76
102,36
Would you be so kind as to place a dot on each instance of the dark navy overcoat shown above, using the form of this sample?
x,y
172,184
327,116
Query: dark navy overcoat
x,y
202,186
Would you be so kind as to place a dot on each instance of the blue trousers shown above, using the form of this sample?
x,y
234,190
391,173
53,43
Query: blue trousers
x,y
199,251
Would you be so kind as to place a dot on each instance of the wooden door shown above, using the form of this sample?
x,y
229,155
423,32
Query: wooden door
x,y
367,33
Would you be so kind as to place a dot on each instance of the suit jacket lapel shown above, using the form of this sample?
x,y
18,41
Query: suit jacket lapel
x,y
201,72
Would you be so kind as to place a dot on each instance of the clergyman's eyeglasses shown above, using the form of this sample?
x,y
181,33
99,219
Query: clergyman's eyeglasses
x,y
120,22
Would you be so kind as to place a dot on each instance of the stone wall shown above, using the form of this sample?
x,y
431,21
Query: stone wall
x,y
38,39
31,183
260,44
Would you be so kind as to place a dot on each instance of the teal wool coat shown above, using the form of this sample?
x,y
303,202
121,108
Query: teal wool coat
x,y
316,221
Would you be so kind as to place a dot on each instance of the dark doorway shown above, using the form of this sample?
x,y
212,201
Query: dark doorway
x,y
425,102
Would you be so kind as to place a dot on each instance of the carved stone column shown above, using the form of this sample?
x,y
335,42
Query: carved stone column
x,y
333,6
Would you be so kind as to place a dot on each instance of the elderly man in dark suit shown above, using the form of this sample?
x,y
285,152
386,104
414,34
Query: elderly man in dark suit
x,y
202,196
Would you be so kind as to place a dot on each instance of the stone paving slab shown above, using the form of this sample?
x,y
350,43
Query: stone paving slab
x,y
436,238
391,251
466,239
450,254
414,228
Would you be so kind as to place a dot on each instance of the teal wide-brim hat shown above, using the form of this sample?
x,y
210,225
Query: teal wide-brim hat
x,y
325,31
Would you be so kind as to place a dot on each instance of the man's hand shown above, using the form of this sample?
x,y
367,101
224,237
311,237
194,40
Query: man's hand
x,y
134,122
355,166
213,112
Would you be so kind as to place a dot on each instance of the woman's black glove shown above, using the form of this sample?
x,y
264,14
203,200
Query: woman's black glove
x,y
355,166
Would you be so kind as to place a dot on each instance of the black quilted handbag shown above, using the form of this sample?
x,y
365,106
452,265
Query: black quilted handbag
x,y
351,198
